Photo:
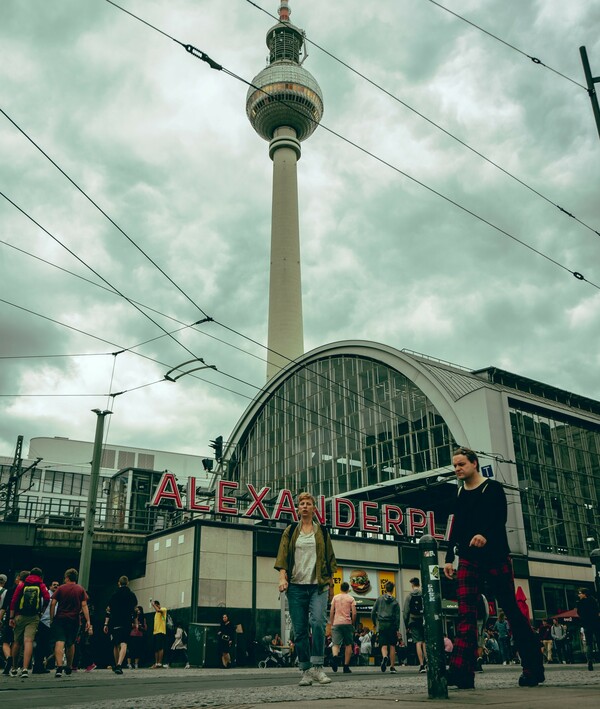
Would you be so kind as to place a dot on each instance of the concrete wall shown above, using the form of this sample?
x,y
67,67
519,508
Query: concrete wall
x,y
169,566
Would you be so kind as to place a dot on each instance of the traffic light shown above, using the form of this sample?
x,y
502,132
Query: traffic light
x,y
217,445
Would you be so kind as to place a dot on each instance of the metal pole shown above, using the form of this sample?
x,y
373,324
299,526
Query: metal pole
x,y
590,86
595,559
85,558
437,684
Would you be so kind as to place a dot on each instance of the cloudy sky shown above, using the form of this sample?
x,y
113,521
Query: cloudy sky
x,y
162,144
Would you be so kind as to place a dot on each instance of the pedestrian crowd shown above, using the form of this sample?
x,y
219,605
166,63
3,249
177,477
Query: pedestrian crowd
x,y
50,628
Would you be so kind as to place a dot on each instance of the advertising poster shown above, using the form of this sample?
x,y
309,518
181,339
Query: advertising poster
x,y
366,584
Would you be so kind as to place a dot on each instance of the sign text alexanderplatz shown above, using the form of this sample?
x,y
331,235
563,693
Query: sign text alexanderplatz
x,y
344,514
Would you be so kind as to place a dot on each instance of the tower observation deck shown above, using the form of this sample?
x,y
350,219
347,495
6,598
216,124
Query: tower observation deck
x,y
284,106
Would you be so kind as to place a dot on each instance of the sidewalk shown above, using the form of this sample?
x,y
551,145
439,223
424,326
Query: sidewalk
x,y
529,698
566,687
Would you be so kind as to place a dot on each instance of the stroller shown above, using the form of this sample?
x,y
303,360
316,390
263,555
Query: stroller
x,y
275,657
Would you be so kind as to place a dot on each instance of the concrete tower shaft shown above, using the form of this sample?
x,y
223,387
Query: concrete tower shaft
x,y
284,106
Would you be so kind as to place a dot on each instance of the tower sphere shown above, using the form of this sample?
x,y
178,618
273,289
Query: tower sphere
x,y
284,93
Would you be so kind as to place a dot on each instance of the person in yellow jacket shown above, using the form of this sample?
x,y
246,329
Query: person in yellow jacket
x,y
160,633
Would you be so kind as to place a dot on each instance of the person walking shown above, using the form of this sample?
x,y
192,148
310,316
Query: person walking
x,y
5,627
559,636
179,647
225,636
502,630
479,532
306,563
587,609
118,621
413,620
365,646
342,617
29,601
68,601
386,618
43,637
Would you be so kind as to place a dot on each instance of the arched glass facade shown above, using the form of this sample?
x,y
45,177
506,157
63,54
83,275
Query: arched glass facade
x,y
338,424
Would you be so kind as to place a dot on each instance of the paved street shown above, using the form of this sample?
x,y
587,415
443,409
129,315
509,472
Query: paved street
x,y
566,686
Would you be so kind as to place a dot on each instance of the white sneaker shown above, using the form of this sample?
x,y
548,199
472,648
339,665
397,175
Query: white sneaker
x,y
319,675
306,679
187,667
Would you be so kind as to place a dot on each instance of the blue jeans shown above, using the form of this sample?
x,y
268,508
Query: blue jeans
x,y
308,606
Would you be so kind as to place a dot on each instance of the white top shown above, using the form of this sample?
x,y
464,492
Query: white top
x,y
305,559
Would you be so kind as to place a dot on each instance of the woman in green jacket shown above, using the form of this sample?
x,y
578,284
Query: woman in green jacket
x,y
306,563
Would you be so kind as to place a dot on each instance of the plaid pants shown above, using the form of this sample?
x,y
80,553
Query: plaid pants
x,y
470,577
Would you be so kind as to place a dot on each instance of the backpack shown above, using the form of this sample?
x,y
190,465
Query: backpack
x,y
31,600
415,605
170,623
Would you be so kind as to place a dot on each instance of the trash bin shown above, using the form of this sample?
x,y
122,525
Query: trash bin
x,y
203,645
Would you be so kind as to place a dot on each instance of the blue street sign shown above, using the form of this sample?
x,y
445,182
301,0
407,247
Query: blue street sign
x,y
487,471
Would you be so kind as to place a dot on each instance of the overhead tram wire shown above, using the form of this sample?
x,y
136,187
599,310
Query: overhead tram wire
x,y
143,305
497,457
342,387
285,402
215,65
99,208
439,127
199,54
347,392
87,265
535,60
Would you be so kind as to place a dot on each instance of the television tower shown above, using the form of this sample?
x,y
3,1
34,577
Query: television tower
x,y
284,105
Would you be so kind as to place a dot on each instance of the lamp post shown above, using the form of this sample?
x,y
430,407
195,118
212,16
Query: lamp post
x,y
85,558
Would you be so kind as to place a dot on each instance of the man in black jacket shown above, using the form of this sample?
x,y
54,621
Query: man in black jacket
x,y
479,532
119,618
587,609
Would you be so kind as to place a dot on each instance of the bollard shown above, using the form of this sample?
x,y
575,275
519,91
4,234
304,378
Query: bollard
x,y
437,684
595,559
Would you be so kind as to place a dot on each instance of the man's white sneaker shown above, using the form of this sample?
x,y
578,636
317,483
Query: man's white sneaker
x,y
318,675
306,679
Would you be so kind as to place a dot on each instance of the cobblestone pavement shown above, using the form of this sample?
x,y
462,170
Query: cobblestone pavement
x,y
571,686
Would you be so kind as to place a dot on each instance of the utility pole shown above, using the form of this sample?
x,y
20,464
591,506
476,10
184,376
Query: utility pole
x,y
591,80
85,559
11,509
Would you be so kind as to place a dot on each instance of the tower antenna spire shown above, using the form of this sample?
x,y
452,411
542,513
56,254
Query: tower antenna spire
x,y
284,11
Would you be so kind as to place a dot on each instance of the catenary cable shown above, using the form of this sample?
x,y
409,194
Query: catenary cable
x,y
215,65
175,40
437,125
535,60
87,265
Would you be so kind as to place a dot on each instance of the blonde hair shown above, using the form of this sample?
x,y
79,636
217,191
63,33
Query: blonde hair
x,y
306,496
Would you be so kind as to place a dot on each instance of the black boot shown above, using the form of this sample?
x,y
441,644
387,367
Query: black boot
x,y
7,666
